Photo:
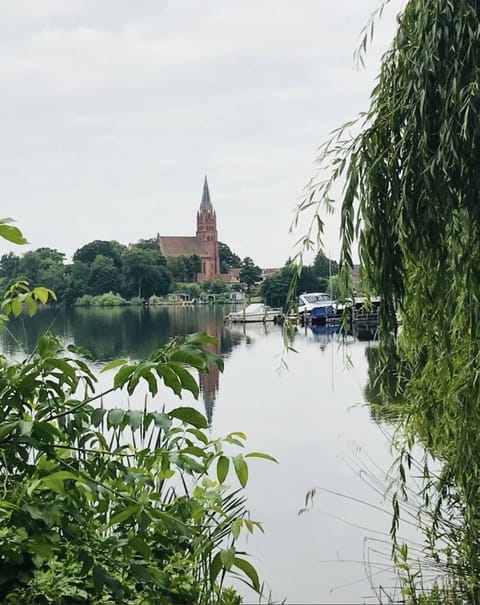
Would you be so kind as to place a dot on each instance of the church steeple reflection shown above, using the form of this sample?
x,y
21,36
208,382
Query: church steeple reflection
x,y
210,321
135,332
209,381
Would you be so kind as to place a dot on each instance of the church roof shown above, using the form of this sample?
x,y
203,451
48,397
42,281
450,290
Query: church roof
x,y
180,245
206,201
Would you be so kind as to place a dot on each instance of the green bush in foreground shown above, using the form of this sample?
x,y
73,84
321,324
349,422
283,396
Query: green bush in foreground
x,y
104,505
119,506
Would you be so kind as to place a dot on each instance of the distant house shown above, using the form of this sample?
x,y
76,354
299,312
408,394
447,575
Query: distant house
x,y
230,278
204,244
269,272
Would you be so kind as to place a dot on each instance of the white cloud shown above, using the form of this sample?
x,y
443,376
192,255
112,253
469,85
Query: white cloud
x,y
112,111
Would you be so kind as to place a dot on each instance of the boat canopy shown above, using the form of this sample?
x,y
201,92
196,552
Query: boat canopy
x,y
316,297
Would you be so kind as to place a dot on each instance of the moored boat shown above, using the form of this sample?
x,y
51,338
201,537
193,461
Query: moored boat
x,y
316,306
365,310
255,312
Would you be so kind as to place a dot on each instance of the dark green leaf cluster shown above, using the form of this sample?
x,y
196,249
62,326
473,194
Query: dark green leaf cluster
x,y
118,504
98,268
184,268
101,504
228,259
250,274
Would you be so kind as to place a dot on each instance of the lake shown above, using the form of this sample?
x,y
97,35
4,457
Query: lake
x,y
311,416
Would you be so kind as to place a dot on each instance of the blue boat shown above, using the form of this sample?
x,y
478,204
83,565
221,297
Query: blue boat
x,y
316,306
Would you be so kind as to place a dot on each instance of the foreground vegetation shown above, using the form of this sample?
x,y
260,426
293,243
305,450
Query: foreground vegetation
x,y
105,504
411,196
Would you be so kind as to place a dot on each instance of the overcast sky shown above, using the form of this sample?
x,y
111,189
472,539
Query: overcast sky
x,y
113,110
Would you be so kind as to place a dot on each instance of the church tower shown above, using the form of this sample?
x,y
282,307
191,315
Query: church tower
x,y
207,234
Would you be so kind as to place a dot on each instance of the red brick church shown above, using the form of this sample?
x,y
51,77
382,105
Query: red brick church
x,y
204,244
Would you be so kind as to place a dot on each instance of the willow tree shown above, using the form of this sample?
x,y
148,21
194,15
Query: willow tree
x,y
411,202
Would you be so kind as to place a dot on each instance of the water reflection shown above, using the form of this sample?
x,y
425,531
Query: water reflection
x,y
304,417
110,333
387,377
323,334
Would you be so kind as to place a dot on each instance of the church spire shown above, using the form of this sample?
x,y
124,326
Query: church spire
x,y
206,202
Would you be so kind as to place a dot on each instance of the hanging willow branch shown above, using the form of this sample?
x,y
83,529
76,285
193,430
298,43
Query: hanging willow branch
x,y
411,199
411,175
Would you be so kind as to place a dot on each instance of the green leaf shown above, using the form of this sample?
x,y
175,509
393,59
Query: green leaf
x,y
147,375
200,338
134,419
189,357
115,417
42,294
46,431
227,557
139,545
99,578
169,378
97,416
233,441
55,481
31,305
114,364
236,528
5,505
124,514
215,566
43,513
237,434
6,428
261,455
162,420
249,570
200,435
16,307
241,469
187,381
190,416
12,234
223,465
122,376
144,574
195,451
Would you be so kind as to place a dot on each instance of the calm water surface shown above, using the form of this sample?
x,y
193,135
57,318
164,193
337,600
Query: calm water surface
x,y
311,417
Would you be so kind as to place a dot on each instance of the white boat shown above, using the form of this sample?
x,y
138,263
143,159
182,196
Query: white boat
x,y
316,306
255,312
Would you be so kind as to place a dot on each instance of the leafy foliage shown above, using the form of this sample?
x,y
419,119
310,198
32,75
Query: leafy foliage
x,y
117,502
144,272
184,268
228,259
101,504
250,274
410,196
108,249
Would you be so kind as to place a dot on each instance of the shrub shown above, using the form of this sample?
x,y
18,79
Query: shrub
x,y
84,301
